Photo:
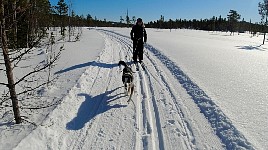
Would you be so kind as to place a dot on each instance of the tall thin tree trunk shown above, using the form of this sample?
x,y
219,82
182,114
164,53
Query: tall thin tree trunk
x,y
9,71
14,21
264,29
263,38
69,28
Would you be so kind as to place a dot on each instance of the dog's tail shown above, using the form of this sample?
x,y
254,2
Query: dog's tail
x,y
122,63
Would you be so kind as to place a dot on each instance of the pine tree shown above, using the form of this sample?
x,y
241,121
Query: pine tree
x,y
161,21
133,19
233,18
121,20
89,20
62,10
127,19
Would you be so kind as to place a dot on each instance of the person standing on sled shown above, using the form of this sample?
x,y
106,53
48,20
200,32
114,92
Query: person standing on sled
x,y
139,37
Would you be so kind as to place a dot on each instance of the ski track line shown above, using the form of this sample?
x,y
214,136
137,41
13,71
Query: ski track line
x,y
148,127
164,83
138,107
145,87
146,121
225,130
181,117
140,116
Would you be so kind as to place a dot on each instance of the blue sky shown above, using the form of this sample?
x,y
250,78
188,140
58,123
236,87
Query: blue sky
x,y
151,10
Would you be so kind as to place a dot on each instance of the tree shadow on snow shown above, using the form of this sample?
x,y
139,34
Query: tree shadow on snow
x,y
7,124
7,119
92,106
250,48
93,63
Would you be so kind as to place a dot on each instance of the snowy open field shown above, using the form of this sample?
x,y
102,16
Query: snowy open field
x,y
200,90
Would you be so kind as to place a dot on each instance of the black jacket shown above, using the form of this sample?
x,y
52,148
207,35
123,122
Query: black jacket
x,y
138,32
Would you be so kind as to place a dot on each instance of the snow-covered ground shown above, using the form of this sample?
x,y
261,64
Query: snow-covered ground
x,y
200,90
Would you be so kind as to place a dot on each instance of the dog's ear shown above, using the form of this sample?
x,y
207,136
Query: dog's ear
x,y
120,62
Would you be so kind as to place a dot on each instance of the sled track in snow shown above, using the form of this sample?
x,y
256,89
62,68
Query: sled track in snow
x,y
223,127
150,132
145,134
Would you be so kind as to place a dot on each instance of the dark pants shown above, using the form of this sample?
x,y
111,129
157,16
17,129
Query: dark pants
x,y
137,50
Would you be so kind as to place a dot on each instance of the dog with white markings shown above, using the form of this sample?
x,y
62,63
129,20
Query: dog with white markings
x,y
127,79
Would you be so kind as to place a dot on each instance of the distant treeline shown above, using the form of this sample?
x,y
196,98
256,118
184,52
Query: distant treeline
x,y
26,20
213,24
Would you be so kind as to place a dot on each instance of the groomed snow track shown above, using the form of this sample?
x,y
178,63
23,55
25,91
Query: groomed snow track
x,y
164,112
228,134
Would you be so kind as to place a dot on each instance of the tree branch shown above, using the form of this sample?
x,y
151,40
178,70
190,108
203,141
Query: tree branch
x,y
40,69
3,84
32,89
18,10
27,51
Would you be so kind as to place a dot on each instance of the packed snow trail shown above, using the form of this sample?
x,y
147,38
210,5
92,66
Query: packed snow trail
x,y
164,112
149,134
229,135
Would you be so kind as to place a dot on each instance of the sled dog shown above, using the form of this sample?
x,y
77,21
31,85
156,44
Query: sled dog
x,y
127,79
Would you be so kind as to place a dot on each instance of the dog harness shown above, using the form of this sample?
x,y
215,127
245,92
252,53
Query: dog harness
x,y
127,75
